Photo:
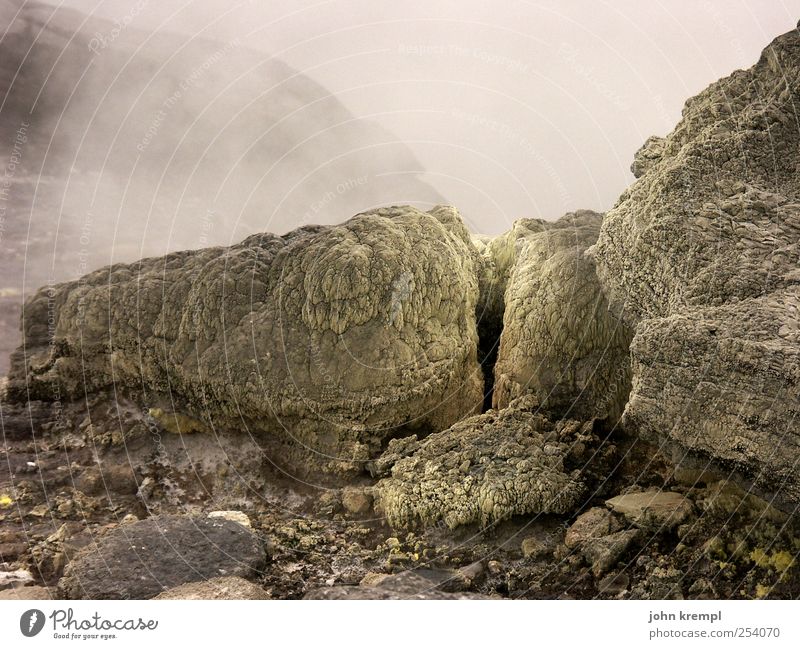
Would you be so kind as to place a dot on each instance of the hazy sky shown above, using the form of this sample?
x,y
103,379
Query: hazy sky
x,y
516,108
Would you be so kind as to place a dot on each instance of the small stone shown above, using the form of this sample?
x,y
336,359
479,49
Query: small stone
x,y
494,567
40,511
592,524
356,500
604,553
654,510
372,579
220,588
60,535
613,584
714,549
235,516
472,572
15,579
533,548
25,592
129,518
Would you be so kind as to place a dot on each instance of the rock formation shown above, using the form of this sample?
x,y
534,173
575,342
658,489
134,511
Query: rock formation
x,y
559,341
331,339
482,470
700,255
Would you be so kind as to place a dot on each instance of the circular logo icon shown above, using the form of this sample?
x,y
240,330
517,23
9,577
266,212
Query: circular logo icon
x,y
31,622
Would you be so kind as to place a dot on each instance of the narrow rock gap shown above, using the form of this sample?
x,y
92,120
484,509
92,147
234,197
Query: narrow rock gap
x,y
490,327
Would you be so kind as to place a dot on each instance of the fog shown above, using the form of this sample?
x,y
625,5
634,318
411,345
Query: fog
x,y
514,108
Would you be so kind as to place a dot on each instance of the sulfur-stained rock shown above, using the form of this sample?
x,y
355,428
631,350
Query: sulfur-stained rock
x,y
700,256
327,339
559,341
484,469
235,516
356,500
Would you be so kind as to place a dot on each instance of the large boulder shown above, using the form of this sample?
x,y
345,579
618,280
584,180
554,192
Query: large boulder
x,y
141,560
700,256
559,341
329,338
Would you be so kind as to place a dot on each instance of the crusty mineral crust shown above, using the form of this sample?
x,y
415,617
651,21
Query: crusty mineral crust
x,y
701,255
559,340
483,469
337,335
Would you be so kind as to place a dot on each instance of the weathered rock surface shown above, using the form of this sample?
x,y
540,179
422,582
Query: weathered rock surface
x,y
559,341
340,335
700,256
481,470
142,559
217,588
654,510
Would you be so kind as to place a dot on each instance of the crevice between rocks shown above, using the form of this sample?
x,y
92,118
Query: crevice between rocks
x,y
490,328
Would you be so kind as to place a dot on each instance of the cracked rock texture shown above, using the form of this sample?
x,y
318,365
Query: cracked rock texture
x,y
341,336
700,256
559,341
484,469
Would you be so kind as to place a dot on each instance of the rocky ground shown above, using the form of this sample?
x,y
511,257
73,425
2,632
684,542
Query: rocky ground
x,y
86,509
